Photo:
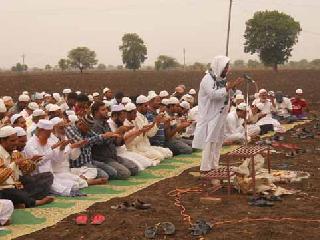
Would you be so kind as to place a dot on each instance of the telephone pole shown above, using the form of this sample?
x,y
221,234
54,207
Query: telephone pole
x,y
23,57
228,33
184,58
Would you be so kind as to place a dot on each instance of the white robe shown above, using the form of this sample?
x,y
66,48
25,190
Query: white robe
x,y
141,161
60,186
6,210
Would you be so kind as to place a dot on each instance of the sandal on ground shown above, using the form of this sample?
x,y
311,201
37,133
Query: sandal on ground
x,y
138,204
201,227
150,232
124,205
97,219
168,228
82,219
261,203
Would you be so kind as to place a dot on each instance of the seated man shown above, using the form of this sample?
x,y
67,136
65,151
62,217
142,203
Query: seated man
x,y
235,130
36,116
283,108
6,210
23,191
299,105
106,152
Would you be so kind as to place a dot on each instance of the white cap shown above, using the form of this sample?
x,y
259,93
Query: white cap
x,y
14,117
38,112
90,98
262,91
70,112
20,131
7,131
192,92
173,100
38,96
78,92
24,98
45,124
48,106
33,106
56,96
187,97
53,108
46,95
271,93
7,98
66,91
64,107
242,106
152,95
126,100
163,94
73,118
106,90
56,120
238,92
299,91
95,94
165,101
185,105
142,99
117,108
239,97
130,107
3,108
25,93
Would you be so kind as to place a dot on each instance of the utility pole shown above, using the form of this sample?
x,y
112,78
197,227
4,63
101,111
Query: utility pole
x,y
184,58
228,33
23,57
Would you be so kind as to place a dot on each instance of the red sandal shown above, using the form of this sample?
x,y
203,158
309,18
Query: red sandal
x,y
82,219
97,219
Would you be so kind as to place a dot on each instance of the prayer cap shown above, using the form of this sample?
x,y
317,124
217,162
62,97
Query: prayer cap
x,y
56,120
53,108
271,93
47,95
261,91
3,108
106,90
45,124
33,106
20,131
239,97
38,112
56,96
126,100
142,99
66,91
38,96
185,105
15,117
165,101
117,108
152,95
25,93
24,98
130,107
7,131
7,98
299,91
95,94
73,118
90,98
242,106
192,92
163,94
78,92
173,100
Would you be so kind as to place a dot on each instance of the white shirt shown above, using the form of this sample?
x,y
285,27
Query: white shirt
x,y
234,124
282,108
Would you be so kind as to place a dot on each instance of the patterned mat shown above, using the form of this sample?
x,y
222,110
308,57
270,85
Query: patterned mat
x,y
26,221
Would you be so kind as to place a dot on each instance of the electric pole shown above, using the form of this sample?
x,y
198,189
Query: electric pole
x,y
23,57
184,59
228,33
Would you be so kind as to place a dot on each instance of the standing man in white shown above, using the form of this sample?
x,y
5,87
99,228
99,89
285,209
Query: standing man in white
x,y
214,102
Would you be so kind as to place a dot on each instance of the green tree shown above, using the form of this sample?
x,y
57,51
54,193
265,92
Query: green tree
x,y
134,51
19,68
165,62
47,67
239,64
315,64
199,66
64,64
253,64
101,67
82,58
271,35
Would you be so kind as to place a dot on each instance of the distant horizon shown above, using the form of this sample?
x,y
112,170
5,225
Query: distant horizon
x,y
45,32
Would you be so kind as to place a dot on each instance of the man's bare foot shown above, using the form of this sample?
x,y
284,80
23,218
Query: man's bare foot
x,y
97,181
20,206
44,200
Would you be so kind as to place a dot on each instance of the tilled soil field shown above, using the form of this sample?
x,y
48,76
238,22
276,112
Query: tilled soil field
x,y
140,82
130,224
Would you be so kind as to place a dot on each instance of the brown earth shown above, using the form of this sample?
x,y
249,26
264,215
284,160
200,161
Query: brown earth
x,y
122,225
139,82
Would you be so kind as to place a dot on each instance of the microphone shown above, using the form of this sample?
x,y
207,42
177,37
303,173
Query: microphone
x,y
248,78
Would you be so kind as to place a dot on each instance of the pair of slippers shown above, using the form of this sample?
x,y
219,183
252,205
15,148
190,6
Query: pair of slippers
x,y
200,228
164,228
264,201
137,204
96,219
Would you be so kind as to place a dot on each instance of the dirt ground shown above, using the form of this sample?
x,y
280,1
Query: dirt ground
x,y
122,225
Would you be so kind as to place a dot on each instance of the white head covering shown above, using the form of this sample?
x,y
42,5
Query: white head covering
x,y
25,93
3,108
271,93
130,107
242,106
218,65
45,124
24,98
187,97
33,106
90,98
165,101
117,108
7,131
38,112
152,95
126,100
56,120
66,91
46,95
38,96
73,118
70,112
163,94
185,105
142,99
192,92
173,100
299,91
56,96
14,117
20,131
53,108
261,91
239,97
105,90
78,92
95,94
107,103
7,98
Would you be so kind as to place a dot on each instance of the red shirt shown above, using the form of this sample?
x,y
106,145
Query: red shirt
x,y
298,105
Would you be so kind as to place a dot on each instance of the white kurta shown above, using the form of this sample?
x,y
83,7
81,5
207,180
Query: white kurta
x,y
60,186
234,129
141,161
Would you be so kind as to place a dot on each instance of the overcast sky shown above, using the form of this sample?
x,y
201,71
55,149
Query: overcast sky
x,y
45,30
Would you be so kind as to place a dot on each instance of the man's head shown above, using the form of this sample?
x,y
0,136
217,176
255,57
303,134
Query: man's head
x,y
44,129
299,93
220,66
99,110
82,105
263,95
242,110
23,101
96,97
8,101
22,138
173,105
37,115
17,120
155,102
58,126
119,97
107,93
85,124
8,138
279,97
66,92
72,99
142,104
118,114
131,111
54,111
239,99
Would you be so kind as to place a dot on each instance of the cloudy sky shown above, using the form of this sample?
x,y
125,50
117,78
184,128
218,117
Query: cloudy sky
x,y
45,30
